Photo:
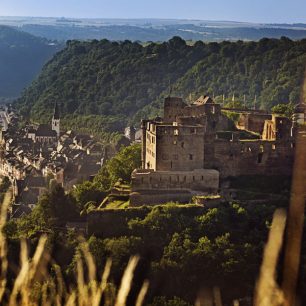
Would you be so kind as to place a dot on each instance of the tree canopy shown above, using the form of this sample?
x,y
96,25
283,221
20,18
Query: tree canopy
x,y
104,85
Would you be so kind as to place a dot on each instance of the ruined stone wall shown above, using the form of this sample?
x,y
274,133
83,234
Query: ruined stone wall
x,y
235,158
269,132
282,127
153,198
173,107
157,187
200,179
253,122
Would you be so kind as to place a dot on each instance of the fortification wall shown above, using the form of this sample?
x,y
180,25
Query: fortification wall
x,y
149,197
259,157
200,180
253,122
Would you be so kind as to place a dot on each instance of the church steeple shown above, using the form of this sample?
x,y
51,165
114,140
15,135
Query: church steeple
x,y
56,120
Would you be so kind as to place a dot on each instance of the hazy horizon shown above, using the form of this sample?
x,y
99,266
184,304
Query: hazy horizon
x,y
261,11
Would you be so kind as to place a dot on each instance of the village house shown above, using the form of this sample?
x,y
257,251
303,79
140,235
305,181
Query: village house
x,y
33,156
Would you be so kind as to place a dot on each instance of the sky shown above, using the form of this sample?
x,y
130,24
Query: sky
x,y
262,11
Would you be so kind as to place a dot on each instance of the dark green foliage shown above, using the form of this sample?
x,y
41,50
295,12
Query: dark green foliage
x,y
52,211
190,247
87,192
21,58
124,82
4,186
163,301
283,109
119,167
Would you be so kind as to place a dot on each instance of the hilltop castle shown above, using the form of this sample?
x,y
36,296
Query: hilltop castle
x,y
196,145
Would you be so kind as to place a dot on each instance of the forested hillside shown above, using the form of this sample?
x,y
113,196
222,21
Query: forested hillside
x,y
126,81
21,58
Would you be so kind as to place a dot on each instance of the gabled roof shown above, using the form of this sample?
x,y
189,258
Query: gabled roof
x,y
20,210
35,181
45,130
29,197
203,100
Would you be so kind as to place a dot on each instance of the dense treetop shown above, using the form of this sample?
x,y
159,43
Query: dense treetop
x,y
126,81
21,58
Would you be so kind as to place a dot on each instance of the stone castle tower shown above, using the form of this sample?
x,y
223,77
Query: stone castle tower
x,y
56,120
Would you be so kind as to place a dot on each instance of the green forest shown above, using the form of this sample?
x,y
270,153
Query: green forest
x,y
121,82
182,248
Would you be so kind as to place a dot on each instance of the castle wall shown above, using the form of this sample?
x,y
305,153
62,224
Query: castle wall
x,y
180,148
157,187
253,122
252,158
153,198
200,179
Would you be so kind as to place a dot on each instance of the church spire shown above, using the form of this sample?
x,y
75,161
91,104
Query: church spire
x,y
56,120
56,114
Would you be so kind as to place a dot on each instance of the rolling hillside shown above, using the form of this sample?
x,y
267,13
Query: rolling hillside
x,y
21,58
110,83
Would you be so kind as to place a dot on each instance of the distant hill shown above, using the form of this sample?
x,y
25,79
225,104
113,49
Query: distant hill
x,y
151,29
21,58
103,85
149,33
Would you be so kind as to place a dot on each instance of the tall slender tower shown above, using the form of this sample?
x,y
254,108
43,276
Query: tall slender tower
x,y
56,120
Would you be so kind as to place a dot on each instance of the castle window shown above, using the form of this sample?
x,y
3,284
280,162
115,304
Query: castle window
x,y
193,178
153,139
174,142
165,157
259,158
273,147
182,144
176,132
202,178
193,130
190,157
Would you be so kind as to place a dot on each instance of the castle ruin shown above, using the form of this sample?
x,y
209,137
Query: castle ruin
x,y
194,146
